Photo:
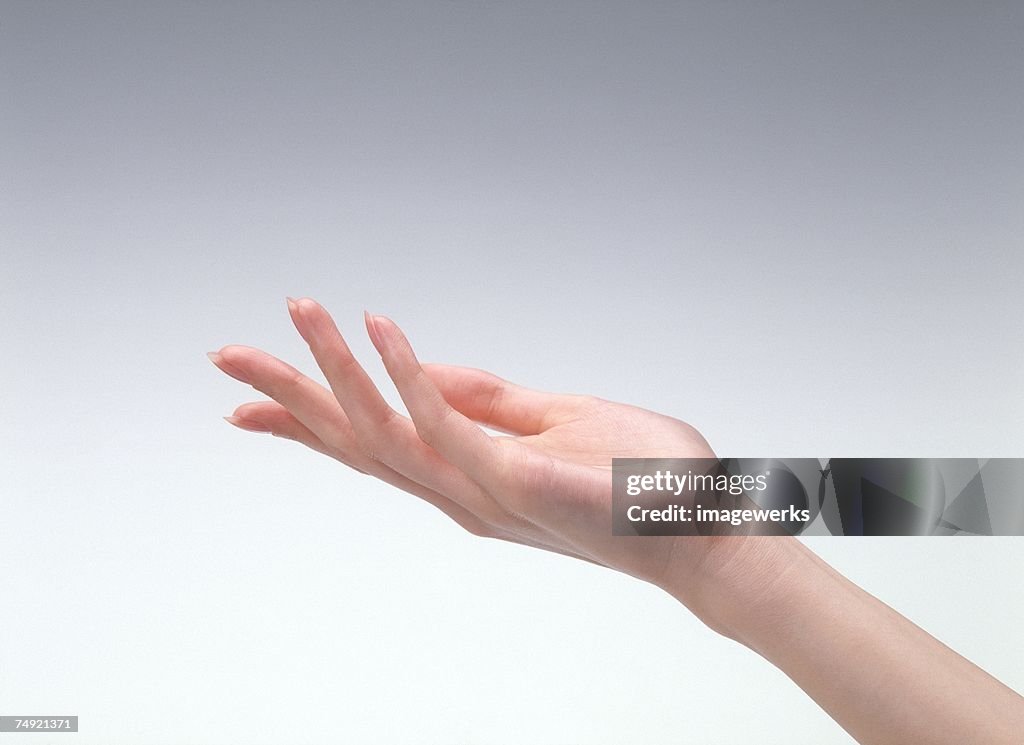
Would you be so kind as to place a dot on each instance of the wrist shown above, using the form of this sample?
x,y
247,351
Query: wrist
x,y
736,584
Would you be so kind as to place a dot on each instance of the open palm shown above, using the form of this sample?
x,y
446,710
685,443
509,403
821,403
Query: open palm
x,y
545,482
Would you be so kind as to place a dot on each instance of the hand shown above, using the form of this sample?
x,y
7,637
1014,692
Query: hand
x,y
546,483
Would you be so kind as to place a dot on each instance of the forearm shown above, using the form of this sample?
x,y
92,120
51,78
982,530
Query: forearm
x,y
545,485
881,677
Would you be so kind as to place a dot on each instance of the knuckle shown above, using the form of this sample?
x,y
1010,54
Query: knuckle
x,y
523,480
346,363
290,382
512,467
375,443
387,420
294,379
373,437
431,425
340,440
494,402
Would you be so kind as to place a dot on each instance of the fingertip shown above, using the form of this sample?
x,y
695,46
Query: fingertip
x,y
249,425
252,409
387,331
384,321
372,332
232,352
298,315
233,355
226,360
307,305
313,321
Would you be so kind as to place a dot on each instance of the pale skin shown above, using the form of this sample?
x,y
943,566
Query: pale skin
x,y
546,483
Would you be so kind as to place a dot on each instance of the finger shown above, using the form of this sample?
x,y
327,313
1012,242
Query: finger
x,y
384,434
315,410
274,377
272,417
499,404
275,419
307,400
437,423
352,387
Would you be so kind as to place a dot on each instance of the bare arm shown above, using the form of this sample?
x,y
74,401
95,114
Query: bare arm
x,y
547,484
880,676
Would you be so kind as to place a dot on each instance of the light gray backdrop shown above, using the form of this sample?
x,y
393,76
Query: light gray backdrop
x,y
796,225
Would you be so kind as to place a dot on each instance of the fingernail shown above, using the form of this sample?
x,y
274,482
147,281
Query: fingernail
x,y
217,359
371,329
247,424
293,310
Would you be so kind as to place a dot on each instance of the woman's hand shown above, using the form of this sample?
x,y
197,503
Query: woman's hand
x,y
546,483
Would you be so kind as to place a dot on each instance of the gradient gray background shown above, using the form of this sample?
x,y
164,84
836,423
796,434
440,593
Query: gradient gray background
x,y
795,225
